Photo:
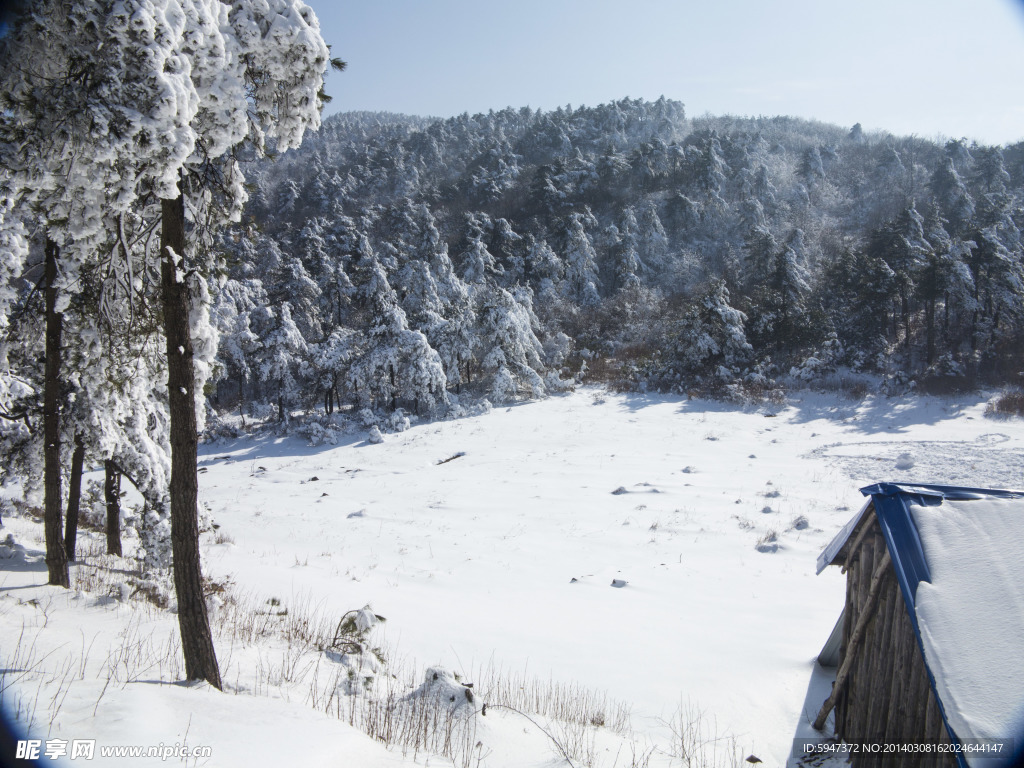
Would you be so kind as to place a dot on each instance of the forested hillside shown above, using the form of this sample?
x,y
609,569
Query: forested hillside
x,y
393,261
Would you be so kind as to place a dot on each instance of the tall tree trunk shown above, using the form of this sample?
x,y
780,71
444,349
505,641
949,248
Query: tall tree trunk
x,y
112,495
905,314
241,398
56,557
929,318
193,621
945,319
74,498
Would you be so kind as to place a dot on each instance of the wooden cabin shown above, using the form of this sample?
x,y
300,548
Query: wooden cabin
x,y
886,691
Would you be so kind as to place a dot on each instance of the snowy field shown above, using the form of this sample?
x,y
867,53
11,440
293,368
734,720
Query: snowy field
x,y
622,553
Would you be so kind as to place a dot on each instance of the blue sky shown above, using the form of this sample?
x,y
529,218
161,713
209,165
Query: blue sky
x,y
932,68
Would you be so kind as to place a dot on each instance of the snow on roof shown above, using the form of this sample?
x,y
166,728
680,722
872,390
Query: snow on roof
x,y
956,553
971,614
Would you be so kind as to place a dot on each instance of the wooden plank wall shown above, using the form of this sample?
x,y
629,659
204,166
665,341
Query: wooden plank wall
x,y
887,698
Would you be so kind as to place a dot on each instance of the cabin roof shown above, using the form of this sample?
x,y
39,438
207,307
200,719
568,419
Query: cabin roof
x,y
958,556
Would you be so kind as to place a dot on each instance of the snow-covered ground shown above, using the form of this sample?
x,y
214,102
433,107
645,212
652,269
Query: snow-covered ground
x,y
656,550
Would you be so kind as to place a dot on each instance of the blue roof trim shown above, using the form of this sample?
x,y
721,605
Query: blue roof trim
x,y
951,492
892,507
904,542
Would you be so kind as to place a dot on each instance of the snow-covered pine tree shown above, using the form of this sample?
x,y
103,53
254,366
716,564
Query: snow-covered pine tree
x,y
282,352
175,85
256,72
448,325
707,345
628,265
507,347
395,363
478,264
581,280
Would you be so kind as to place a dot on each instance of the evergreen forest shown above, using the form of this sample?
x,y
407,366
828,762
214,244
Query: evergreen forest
x,y
393,262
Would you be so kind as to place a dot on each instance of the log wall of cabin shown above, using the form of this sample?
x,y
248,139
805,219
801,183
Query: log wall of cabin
x,y
887,698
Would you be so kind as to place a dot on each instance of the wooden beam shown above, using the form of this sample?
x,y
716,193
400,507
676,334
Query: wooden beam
x,y
855,640
868,525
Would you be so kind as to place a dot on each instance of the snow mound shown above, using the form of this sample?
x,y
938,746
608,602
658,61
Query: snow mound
x,y
10,549
768,543
375,437
441,688
905,461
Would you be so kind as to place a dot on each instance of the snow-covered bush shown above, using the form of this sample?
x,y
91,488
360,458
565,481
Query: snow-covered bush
x,y
821,362
93,506
398,421
351,647
262,411
153,525
557,348
220,428
318,433
503,387
555,383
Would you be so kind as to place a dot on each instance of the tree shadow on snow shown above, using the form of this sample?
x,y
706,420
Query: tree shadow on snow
x,y
874,415
878,414
24,561
263,446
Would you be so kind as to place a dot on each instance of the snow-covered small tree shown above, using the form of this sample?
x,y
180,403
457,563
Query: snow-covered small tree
x,y
508,348
281,354
628,264
581,280
395,362
478,264
240,313
707,344
331,360
652,239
